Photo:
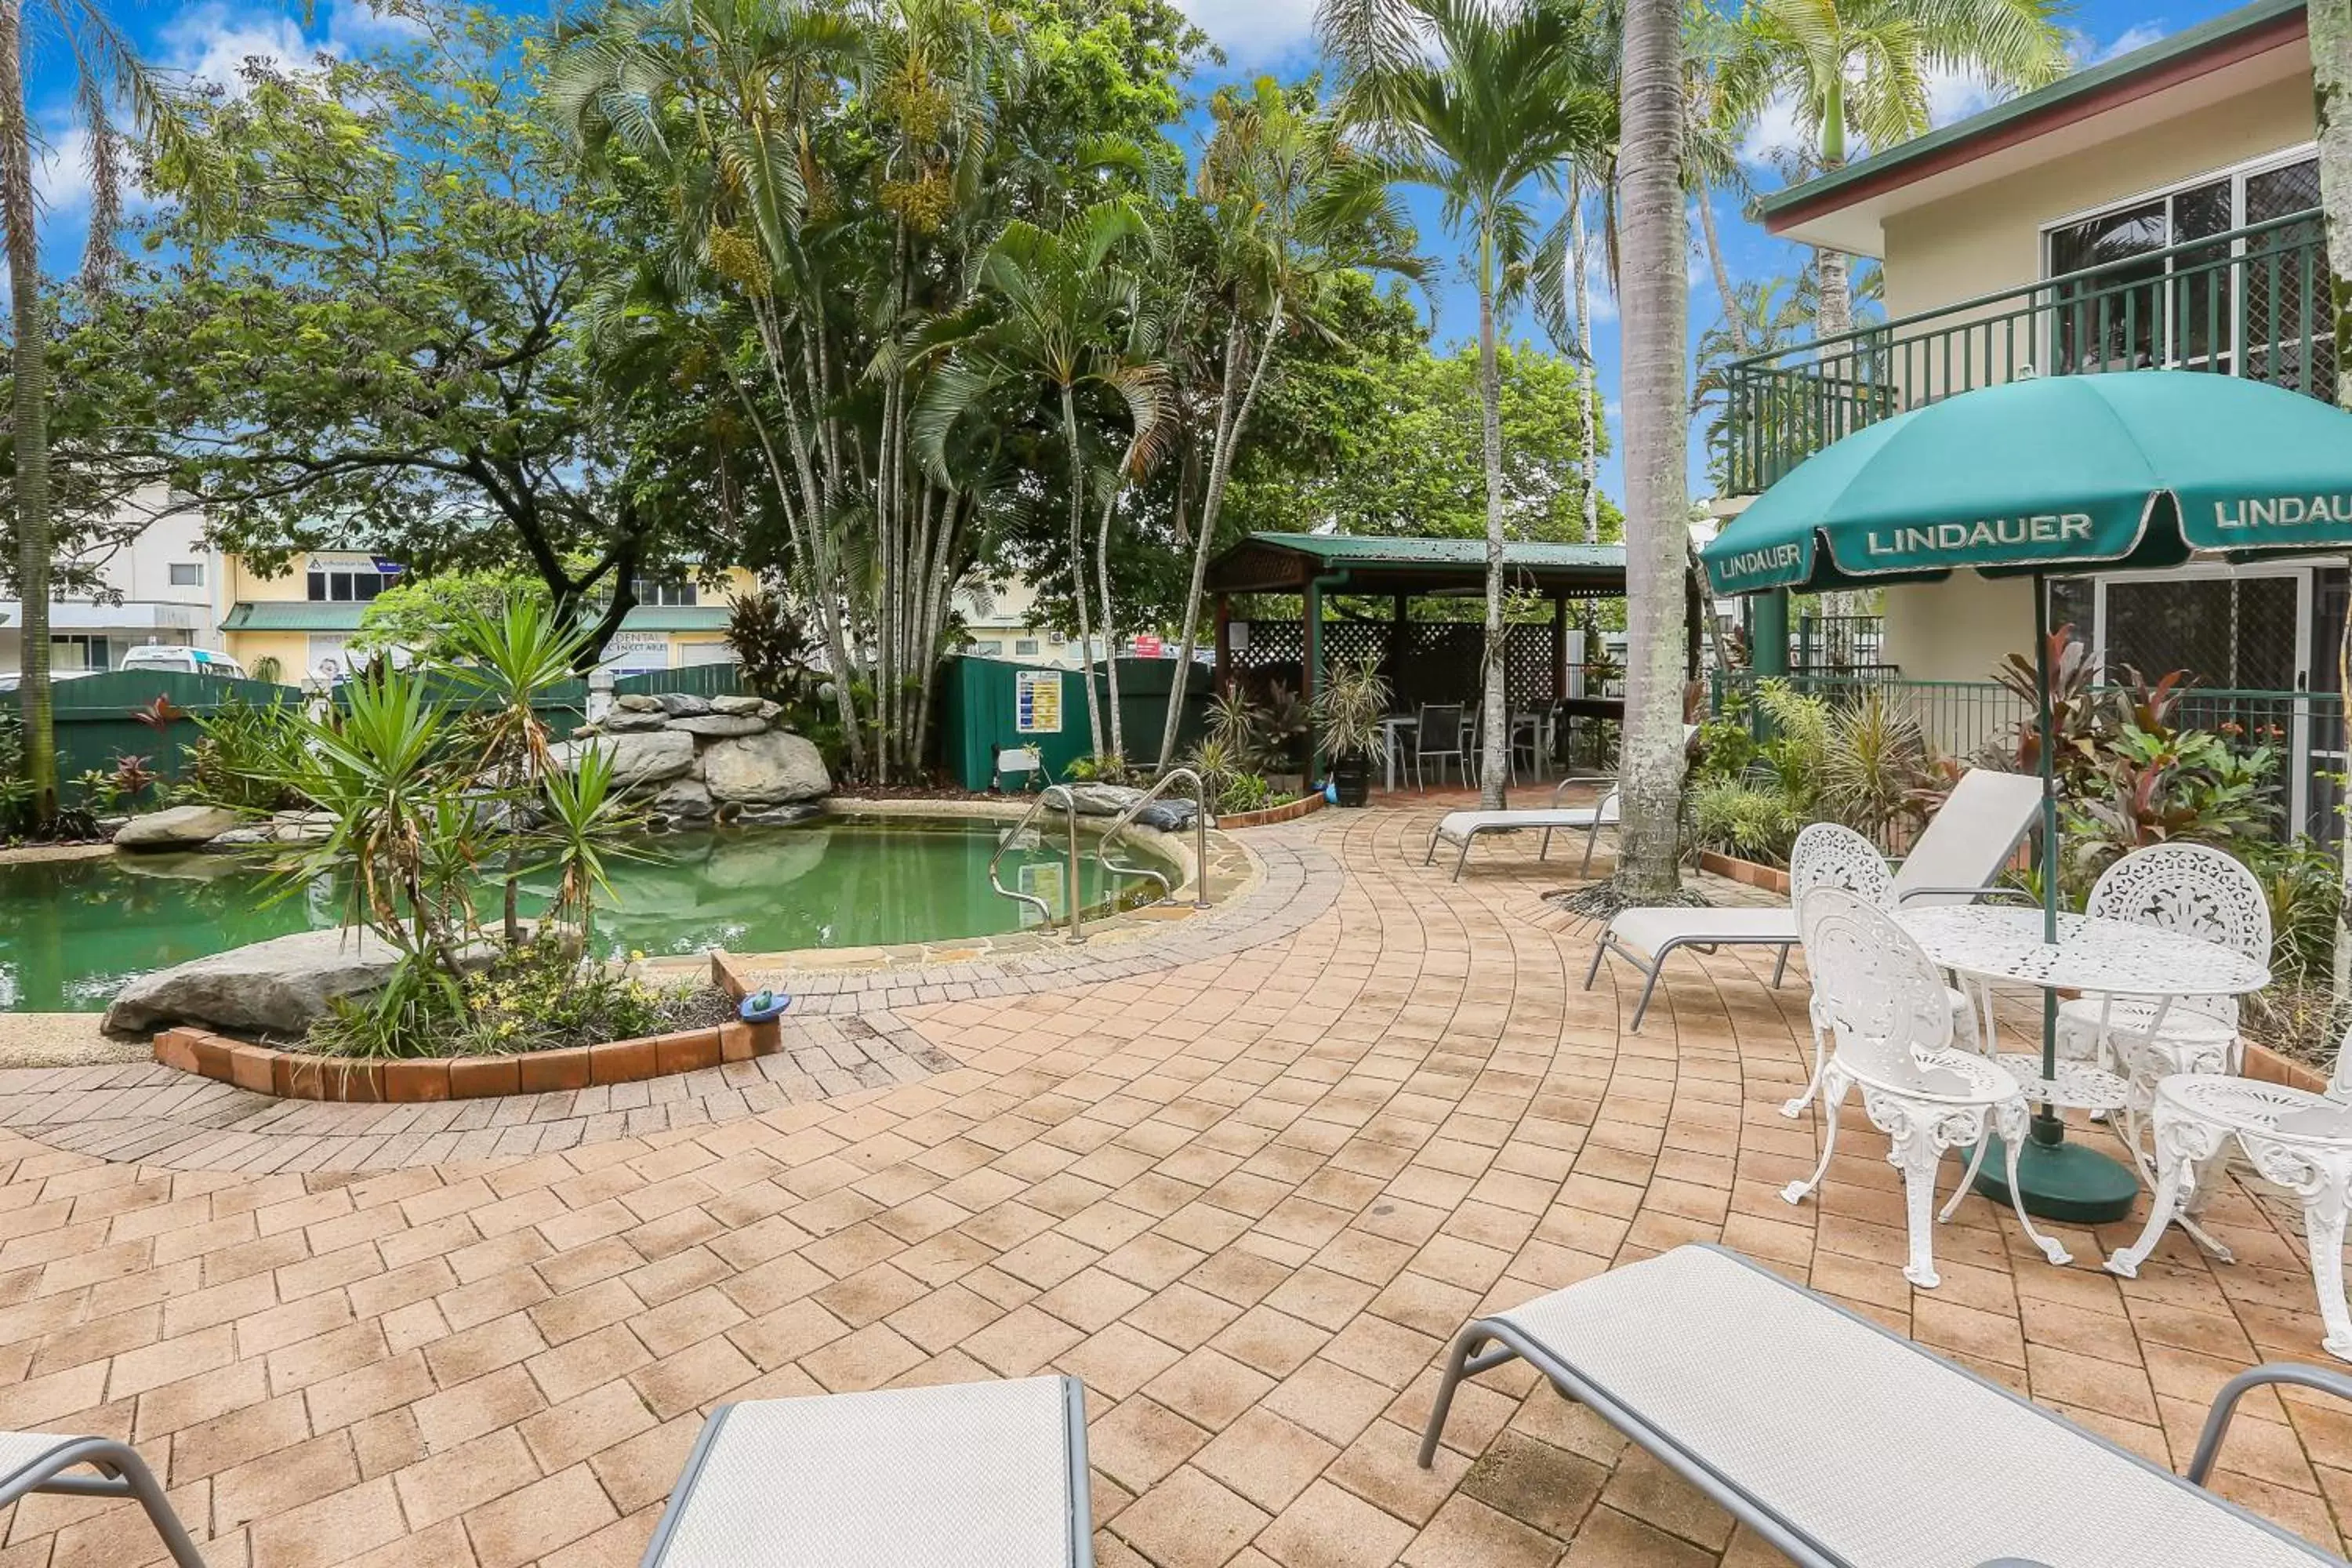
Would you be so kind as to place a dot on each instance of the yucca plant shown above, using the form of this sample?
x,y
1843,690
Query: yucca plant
x,y
513,659
585,826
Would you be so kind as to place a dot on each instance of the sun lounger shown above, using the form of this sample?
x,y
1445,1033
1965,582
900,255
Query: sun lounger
x,y
1846,1445
40,1462
1956,856
969,1475
1463,827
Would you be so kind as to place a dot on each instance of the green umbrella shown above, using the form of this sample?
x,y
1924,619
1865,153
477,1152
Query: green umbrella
x,y
2129,469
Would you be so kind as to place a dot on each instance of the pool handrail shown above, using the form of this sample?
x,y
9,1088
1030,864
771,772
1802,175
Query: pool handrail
x,y
1199,838
1069,805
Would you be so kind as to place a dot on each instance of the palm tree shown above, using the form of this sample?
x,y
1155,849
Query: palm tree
x,y
107,70
1481,102
1295,205
1655,239
1059,308
1859,69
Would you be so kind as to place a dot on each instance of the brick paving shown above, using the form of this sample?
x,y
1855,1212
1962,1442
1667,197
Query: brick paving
x,y
1245,1192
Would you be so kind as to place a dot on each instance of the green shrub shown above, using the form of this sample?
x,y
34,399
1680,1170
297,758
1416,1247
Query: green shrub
x,y
1752,821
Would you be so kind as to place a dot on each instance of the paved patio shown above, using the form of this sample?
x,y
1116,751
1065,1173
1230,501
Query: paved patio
x,y
1243,1182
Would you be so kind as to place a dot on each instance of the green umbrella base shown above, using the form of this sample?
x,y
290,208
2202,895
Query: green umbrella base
x,y
2064,1182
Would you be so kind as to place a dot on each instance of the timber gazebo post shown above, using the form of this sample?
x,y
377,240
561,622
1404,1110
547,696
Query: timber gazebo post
x,y
1224,644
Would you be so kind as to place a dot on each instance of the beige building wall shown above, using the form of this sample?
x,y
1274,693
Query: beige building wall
x,y
1988,240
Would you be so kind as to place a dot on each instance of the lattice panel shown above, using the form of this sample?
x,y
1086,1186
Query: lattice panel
x,y
1437,663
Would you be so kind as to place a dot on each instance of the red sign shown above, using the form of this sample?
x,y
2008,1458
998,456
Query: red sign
x,y
1147,646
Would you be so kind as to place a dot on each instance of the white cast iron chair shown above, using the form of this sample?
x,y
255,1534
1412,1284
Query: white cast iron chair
x,y
1890,1015
2199,892
1828,855
2300,1139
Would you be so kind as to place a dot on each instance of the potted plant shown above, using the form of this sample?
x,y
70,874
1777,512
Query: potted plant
x,y
1347,713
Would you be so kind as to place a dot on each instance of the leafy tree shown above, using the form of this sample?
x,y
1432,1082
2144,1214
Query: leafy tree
x,y
1480,103
1860,69
384,349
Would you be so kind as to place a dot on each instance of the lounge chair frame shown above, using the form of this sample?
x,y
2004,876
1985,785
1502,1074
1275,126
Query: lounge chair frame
x,y
1589,823
1697,941
1489,1342
1074,1426
120,1473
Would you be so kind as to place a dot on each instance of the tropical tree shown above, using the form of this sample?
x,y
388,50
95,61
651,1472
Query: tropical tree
x,y
1483,103
1059,312
1858,70
1294,206
1655,239
106,70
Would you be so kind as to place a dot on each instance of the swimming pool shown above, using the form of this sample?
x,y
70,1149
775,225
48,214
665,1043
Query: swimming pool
x,y
72,933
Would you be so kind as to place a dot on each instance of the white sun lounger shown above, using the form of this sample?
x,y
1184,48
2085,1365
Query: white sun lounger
x,y
966,1475
1954,861
40,1462
1463,827
1846,1445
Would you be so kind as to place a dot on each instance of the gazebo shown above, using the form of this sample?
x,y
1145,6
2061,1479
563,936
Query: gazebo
x,y
1430,660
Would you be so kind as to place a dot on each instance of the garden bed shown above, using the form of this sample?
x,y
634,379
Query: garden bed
x,y
1770,878
1287,812
414,1080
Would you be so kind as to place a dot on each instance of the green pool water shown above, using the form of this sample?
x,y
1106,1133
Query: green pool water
x,y
72,933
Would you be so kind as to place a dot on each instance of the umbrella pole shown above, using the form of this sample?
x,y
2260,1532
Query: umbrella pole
x,y
2057,1180
2049,1127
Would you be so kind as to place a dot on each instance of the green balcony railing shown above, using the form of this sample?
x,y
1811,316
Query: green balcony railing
x,y
2253,301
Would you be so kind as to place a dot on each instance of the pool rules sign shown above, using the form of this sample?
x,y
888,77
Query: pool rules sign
x,y
1037,701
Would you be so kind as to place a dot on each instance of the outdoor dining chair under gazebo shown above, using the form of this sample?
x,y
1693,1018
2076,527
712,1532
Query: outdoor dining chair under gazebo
x,y
2127,470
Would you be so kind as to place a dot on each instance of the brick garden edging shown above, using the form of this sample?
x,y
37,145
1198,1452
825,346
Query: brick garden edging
x,y
297,1075
1288,811
1771,878
2264,1064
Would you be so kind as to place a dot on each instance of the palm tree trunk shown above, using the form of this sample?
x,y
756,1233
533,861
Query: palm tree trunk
x,y
1232,420
1833,317
1732,315
31,414
1656,293
1495,715
2330,22
1588,411
1110,638
2331,71
1078,567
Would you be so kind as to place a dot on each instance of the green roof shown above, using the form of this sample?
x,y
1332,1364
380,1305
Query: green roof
x,y
292,615
1361,549
343,615
1362,564
676,618
2188,41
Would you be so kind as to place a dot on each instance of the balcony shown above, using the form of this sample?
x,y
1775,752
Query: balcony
x,y
2253,301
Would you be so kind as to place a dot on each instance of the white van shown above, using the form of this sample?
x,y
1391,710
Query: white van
x,y
186,660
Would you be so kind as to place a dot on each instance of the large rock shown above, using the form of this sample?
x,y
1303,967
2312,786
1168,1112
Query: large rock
x,y
737,707
303,826
623,721
636,703
683,800
178,827
1103,799
683,704
277,986
720,726
638,760
774,768
256,836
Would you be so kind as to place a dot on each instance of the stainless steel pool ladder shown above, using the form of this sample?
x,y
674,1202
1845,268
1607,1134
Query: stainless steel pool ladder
x,y
1052,794
1200,840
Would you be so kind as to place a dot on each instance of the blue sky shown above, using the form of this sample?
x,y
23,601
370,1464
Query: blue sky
x,y
210,37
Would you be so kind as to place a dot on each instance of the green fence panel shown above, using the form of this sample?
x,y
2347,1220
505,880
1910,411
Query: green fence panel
x,y
990,703
95,724
693,679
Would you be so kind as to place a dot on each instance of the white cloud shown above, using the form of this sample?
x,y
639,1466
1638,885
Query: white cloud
x,y
2139,35
211,42
1255,32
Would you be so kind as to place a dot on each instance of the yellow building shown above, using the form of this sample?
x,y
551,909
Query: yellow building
x,y
303,617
